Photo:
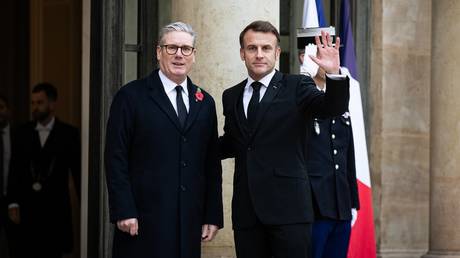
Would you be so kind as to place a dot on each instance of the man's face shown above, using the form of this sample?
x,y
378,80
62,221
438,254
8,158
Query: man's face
x,y
176,66
42,107
4,114
301,57
260,52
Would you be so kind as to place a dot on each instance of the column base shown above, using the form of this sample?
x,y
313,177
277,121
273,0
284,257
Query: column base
x,y
437,254
401,253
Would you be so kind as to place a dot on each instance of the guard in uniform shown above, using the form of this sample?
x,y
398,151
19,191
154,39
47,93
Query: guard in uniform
x,y
331,167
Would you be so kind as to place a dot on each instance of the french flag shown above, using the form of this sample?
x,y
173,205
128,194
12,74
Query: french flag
x,y
362,241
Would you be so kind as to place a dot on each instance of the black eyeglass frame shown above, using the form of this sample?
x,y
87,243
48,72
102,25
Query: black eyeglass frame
x,y
176,48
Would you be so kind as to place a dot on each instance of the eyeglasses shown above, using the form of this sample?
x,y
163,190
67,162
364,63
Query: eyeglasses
x,y
172,49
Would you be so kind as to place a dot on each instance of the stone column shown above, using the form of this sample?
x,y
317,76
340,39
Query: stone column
x,y
218,66
399,123
445,132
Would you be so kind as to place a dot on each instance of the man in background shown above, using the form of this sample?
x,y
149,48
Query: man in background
x,y
45,151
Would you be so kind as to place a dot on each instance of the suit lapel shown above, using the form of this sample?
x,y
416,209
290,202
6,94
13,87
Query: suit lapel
x,y
270,94
194,105
159,96
239,110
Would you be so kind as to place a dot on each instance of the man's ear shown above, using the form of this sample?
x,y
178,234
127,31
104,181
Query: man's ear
x,y
242,54
158,53
278,52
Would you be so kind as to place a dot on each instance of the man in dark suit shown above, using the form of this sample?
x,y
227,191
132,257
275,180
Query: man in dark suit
x,y
6,227
43,153
265,130
164,175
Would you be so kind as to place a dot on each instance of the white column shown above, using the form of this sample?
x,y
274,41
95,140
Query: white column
x,y
445,132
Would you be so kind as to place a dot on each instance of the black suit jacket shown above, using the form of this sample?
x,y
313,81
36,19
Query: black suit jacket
x,y
167,177
45,215
270,181
331,167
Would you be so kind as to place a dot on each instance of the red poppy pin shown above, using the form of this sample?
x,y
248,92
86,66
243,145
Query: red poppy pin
x,y
198,95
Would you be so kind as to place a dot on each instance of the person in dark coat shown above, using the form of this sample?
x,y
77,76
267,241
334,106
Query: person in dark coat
x,y
8,230
265,125
164,176
332,172
44,153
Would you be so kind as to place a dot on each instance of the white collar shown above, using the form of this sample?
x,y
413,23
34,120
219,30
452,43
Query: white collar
x,y
323,89
48,127
265,80
170,85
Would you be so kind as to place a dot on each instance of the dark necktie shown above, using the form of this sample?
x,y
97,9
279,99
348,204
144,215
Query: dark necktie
x,y
2,174
181,109
254,103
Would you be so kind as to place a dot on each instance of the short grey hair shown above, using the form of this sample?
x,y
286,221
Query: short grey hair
x,y
176,26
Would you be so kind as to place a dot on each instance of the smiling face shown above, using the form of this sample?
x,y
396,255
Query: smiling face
x,y
176,66
260,52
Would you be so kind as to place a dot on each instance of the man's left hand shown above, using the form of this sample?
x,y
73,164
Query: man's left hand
x,y
327,56
208,232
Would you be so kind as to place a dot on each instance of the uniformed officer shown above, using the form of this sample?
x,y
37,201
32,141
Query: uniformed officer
x,y
331,168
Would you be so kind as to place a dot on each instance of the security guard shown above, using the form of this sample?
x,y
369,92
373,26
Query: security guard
x,y
331,168
330,164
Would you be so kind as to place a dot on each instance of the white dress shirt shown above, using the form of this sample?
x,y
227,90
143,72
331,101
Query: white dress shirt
x,y
170,89
247,94
6,155
44,131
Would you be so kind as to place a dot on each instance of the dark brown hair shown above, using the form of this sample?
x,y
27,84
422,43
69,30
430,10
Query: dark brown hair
x,y
48,88
260,26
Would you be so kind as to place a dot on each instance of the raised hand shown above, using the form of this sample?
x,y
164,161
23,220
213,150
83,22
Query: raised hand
x,y
327,57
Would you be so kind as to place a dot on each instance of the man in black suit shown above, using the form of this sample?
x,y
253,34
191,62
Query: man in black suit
x,y
265,130
44,151
164,175
5,154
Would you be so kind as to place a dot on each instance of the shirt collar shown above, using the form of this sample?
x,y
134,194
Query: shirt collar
x,y
323,89
265,80
48,127
170,85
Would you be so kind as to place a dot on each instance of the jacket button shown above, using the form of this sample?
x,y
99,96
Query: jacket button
x,y
184,164
249,148
336,166
335,152
333,121
184,139
333,136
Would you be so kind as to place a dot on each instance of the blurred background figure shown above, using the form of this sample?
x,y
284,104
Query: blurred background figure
x,y
44,151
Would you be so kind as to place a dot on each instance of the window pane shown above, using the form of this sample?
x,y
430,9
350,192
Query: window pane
x,y
131,21
130,67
